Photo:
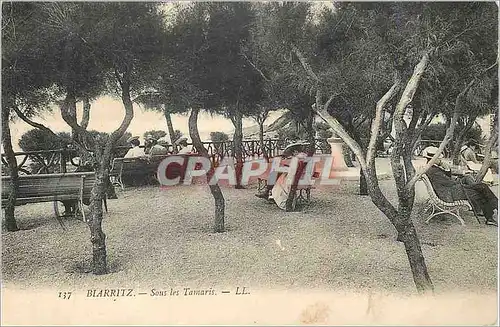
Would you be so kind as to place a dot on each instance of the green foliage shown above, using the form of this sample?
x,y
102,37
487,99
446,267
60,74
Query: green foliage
x,y
102,137
177,135
438,131
155,133
288,134
323,130
207,68
38,140
219,137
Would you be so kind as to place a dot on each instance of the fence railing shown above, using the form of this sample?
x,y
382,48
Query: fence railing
x,y
59,160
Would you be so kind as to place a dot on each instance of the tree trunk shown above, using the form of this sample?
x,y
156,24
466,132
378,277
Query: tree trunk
x,y
404,227
86,113
311,149
363,187
289,205
10,220
170,127
487,155
84,123
408,235
261,140
97,236
214,189
237,120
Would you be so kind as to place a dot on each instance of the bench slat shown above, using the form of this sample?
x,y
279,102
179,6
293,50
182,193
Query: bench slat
x,y
49,187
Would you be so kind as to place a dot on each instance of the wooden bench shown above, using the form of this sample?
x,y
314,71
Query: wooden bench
x,y
133,167
52,188
145,168
439,206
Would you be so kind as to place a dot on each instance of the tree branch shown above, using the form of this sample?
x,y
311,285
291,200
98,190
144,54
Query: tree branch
x,y
305,64
377,121
342,133
86,113
447,138
40,126
400,126
487,156
451,128
256,68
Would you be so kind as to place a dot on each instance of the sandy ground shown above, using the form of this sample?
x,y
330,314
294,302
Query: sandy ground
x,y
163,237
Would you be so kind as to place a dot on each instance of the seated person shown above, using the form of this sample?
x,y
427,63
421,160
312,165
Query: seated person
x,y
468,156
448,189
135,151
494,162
149,142
281,188
467,152
183,144
159,147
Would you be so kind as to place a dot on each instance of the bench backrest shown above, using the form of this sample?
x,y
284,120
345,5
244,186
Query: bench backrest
x,y
434,197
51,185
135,165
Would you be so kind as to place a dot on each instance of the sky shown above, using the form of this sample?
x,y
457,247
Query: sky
x,y
107,113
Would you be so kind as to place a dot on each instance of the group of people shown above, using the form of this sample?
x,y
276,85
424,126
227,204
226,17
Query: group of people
x,y
154,147
452,185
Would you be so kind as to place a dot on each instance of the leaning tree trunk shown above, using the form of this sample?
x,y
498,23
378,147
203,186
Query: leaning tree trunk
x,y
487,155
237,120
402,172
214,189
170,126
10,220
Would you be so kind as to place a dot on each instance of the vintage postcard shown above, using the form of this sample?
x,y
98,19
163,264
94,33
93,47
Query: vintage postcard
x,y
249,163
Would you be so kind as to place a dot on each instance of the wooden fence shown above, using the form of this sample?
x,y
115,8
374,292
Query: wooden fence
x,y
58,161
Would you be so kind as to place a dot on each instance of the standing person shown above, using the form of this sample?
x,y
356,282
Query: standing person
x,y
448,189
136,151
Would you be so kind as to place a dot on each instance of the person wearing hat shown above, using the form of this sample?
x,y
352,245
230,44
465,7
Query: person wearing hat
x,y
160,147
280,190
467,153
149,142
468,156
183,144
469,160
448,189
135,151
291,150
